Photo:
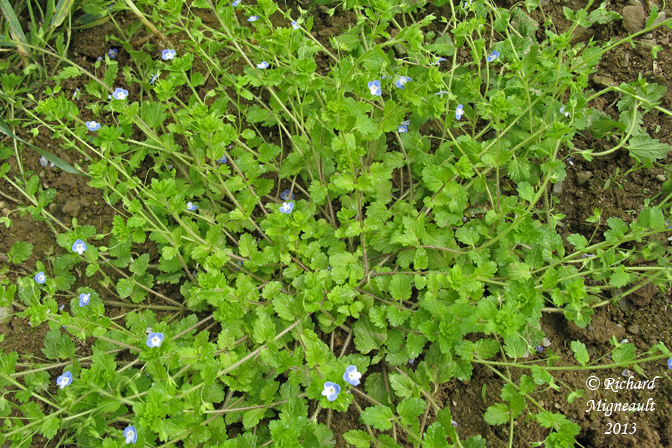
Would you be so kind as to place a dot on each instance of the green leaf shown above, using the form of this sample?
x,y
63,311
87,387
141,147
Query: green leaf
x,y
124,288
410,409
580,352
358,438
619,277
20,252
497,414
367,336
378,416
139,266
526,191
644,148
400,287
252,417
578,241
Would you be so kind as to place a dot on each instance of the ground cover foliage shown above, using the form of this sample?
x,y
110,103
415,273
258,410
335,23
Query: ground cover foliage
x,y
341,252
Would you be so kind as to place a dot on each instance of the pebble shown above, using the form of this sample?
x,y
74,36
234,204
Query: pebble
x,y
634,329
634,19
661,177
546,342
582,177
5,314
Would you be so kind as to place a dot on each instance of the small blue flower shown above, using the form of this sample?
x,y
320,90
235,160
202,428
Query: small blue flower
x,y
374,87
75,94
100,58
351,376
539,349
439,61
44,161
92,125
84,299
40,277
262,65
119,93
168,54
239,263
64,380
459,112
441,93
112,53
295,25
236,3
287,207
402,129
669,363
401,82
454,424
191,207
406,122
331,390
253,19
130,434
154,339
562,111
79,246
493,56
285,195
153,78
411,361
223,160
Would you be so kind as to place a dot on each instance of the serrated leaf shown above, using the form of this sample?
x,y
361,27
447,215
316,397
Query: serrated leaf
x,y
124,288
580,352
410,409
358,438
497,414
367,336
643,148
252,417
378,416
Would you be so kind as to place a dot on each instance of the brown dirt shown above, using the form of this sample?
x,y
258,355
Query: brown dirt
x,y
643,319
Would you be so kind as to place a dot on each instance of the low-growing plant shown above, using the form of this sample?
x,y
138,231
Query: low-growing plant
x,y
346,226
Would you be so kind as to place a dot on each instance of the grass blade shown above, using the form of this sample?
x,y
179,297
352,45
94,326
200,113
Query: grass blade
x,y
62,164
15,30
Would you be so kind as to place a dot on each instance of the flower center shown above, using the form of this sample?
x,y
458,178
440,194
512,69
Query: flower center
x,y
156,341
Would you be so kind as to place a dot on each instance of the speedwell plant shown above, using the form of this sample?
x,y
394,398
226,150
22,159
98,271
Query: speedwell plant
x,y
343,224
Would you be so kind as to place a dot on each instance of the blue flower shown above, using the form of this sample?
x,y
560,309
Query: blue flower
x,y
401,82
191,207
153,78
79,246
223,160
40,277
287,207
539,349
374,87
84,299
562,111
402,129
406,122
112,53
44,161
295,25
331,390
285,195
154,339
75,94
253,19
64,380
669,363
441,93
239,263
236,3
119,93
459,112
130,434
262,65
454,424
492,56
92,125
350,376
439,61
168,54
